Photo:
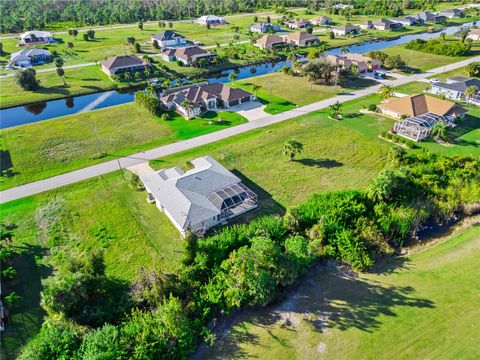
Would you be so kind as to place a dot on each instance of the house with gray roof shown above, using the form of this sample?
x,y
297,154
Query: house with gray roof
x,y
29,57
203,97
169,38
452,13
454,88
187,55
408,21
264,27
429,17
200,198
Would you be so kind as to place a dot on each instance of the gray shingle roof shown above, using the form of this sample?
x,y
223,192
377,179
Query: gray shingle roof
x,y
185,195
459,83
166,35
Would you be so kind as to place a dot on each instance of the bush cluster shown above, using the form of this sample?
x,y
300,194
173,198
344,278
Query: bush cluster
x,y
440,47
399,139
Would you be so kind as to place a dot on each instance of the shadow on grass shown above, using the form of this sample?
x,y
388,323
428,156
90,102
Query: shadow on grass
x,y
330,297
6,164
320,163
25,320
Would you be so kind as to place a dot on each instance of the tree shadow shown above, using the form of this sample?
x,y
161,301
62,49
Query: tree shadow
x,y
330,297
321,163
6,164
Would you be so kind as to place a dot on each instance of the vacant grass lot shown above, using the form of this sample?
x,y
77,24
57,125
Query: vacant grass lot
x,y
79,82
421,61
421,306
52,147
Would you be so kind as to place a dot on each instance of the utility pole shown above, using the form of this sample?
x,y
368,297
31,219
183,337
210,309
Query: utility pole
x,y
270,96
226,28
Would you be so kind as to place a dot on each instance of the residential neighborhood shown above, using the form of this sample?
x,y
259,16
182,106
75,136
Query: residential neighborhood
x,y
228,179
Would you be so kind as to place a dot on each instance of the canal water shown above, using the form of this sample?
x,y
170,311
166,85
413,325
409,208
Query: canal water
x,y
51,109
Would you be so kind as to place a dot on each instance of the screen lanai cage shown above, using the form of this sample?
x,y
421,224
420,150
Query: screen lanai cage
x,y
233,199
419,127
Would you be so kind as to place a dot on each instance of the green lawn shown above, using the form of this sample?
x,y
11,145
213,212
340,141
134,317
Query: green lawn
x,y
422,306
421,61
79,81
52,147
289,91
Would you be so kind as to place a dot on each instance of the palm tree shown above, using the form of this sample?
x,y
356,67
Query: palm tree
x,y
147,72
439,130
336,110
344,50
188,106
292,148
354,71
128,76
385,92
255,88
470,93
61,73
232,77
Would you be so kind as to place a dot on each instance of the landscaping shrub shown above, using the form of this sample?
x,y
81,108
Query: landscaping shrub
x,y
372,107
439,47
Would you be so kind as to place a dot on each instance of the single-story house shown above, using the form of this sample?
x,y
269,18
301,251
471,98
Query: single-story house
x,y
420,104
430,17
200,198
203,97
270,42
35,37
169,38
29,57
407,21
321,20
120,64
301,38
264,27
452,13
454,88
474,34
422,113
344,30
211,20
364,63
187,55
385,24
298,24
367,25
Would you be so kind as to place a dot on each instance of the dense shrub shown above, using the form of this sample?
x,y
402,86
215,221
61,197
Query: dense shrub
x,y
440,47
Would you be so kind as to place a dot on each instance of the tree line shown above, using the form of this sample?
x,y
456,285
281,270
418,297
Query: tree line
x,y
93,315
20,15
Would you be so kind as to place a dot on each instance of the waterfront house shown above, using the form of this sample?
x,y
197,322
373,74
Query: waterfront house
x,y
270,42
345,30
116,65
300,38
187,55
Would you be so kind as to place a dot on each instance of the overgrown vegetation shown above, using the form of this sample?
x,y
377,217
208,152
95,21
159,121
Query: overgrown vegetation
x,y
242,265
440,47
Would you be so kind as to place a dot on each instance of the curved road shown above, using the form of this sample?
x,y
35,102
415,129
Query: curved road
x,y
138,158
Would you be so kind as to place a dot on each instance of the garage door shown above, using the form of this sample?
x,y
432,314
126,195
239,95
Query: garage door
x,y
245,99
233,103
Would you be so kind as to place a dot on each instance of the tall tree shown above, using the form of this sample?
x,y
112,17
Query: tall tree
x,y
27,79
385,92
292,148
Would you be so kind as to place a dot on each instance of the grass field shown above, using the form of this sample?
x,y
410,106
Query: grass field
x,y
51,147
79,81
422,306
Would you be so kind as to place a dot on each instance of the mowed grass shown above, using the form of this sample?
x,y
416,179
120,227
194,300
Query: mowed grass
x,y
337,155
107,214
48,148
288,92
78,82
422,306
423,61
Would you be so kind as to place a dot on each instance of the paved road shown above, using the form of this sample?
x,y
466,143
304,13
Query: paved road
x,y
138,158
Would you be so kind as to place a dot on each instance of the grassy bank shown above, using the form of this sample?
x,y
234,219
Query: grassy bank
x,y
423,305
39,150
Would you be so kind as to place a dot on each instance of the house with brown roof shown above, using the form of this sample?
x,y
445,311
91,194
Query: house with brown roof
x,y
321,20
187,55
364,63
298,24
345,30
120,64
270,42
420,104
194,100
421,113
300,38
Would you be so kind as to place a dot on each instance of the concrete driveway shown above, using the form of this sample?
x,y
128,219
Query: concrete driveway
x,y
252,110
